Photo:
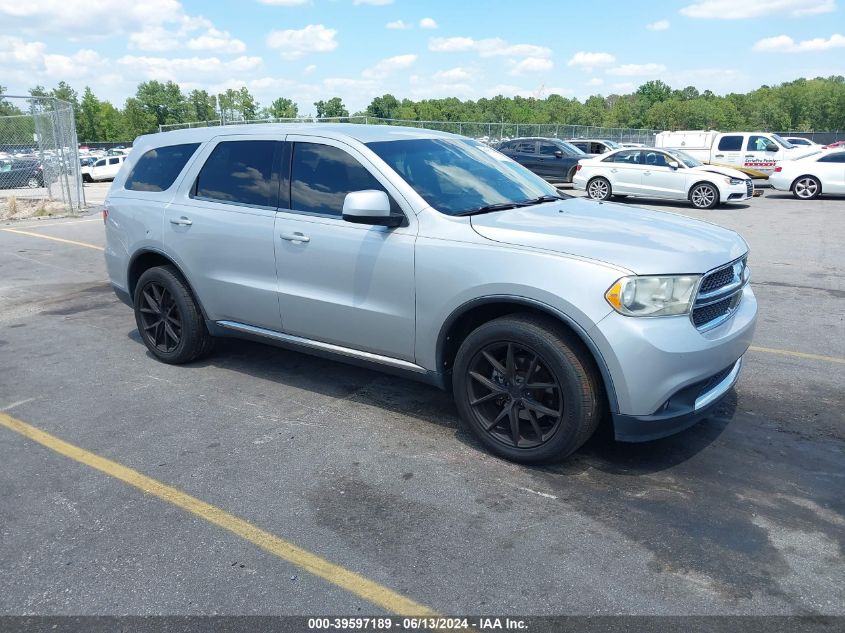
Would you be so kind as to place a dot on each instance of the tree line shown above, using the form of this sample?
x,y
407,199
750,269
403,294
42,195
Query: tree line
x,y
800,105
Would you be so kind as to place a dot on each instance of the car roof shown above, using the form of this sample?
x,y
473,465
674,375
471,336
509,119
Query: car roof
x,y
339,131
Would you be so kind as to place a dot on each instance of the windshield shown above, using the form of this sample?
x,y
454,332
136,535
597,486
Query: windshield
x,y
685,158
782,141
458,176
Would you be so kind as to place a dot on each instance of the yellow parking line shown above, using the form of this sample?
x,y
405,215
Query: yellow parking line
x,y
786,352
55,239
356,584
45,223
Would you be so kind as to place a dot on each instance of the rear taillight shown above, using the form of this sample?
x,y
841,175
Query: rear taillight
x,y
578,167
105,215
778,169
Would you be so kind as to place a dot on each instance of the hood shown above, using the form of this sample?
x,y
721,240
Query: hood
x,y
724,171
642,241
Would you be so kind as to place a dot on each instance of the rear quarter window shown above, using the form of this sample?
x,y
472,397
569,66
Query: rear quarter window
x,y
158,168
730,143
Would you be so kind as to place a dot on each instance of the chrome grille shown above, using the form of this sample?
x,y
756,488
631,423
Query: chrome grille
x,y
719,294
750,187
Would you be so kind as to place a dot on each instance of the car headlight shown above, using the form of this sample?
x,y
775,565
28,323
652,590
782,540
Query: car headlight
x,y
734,181
652,296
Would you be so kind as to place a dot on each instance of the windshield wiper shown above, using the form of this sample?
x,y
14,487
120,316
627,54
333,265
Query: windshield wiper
x,y
546,198
490,208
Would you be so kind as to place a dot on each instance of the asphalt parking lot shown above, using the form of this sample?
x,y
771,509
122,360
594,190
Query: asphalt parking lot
x,y
742,514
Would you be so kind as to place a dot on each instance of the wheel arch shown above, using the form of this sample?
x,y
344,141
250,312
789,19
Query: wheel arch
x,y
150,258
472,314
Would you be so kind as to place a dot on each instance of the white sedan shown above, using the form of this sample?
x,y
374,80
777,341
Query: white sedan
x,y
661,173
812,175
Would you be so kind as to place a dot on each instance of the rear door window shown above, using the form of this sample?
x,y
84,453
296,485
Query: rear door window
x,y
730,144
322,175
526,147
838,157
241,172
158,168
114,161
629,156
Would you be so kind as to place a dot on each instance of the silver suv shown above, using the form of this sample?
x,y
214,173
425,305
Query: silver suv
x,y
432,256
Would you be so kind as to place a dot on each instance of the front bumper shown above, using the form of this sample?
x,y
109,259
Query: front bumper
x,y
658,367
680,412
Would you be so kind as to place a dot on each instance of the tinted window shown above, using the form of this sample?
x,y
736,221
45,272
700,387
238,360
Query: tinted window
x,y
549,149
322,175
584,147
630,156
656,159
758,143
100,163
456,176
241,172
114,161
730,143
838,157
526,147
157,169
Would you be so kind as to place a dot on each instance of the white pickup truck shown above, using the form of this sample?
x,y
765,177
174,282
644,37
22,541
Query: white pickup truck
x,y
754,153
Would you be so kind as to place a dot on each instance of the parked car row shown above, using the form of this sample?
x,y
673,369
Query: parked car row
x,y
21,172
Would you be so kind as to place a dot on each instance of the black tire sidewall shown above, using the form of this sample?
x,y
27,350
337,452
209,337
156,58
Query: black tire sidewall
x,y
193,328
566,369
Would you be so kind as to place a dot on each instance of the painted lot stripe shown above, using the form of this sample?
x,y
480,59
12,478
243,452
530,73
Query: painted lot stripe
x,y
785,352
352,582
55,239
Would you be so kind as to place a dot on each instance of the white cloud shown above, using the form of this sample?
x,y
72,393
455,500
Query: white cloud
x,y
310,68
490,47
733,10
284,3
451,44
183,69
456,75
622,87
219,41
636,70
588,61
785,44
660,25
595,81
428,23
531,65
293,44
389,65
81,17
400,25
378,3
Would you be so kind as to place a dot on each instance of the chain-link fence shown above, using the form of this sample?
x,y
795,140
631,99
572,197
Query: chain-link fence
x,y
487,132
39,157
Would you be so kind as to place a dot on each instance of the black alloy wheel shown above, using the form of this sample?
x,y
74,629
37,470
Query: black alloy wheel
x,y
515,396
160,317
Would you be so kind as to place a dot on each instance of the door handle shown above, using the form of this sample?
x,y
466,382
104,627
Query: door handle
x,y
646,173
183,221
614,170
749,155
718,156
295,237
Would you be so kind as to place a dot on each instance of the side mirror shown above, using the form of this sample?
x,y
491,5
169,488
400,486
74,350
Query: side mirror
x,y
369,207
673,164
771,147
558,154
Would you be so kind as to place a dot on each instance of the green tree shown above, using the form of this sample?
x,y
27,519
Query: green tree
x,y
383,107
332,108
88,118
164,101
202,106
283,108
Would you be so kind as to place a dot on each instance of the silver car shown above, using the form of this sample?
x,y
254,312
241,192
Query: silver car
x,y
436,257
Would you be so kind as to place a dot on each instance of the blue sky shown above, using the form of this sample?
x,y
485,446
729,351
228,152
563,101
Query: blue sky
x,y
358,49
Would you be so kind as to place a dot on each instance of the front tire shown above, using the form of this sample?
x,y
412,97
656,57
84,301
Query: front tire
x,y
168,318
704,195
599,188
527,389
33,183
807,188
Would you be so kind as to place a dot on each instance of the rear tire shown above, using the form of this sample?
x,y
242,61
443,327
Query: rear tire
x,y
704,195
527,388
807,188
169,320
599,188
